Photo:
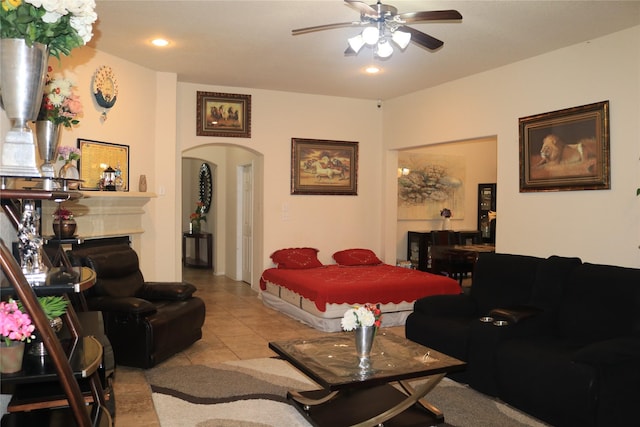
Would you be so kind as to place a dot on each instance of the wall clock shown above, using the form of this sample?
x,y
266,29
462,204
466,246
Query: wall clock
x,y
206,186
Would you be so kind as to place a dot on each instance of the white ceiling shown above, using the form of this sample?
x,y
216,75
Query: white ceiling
x,y
249,43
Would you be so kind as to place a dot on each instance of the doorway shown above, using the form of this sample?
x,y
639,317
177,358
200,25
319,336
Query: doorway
x,y
245,222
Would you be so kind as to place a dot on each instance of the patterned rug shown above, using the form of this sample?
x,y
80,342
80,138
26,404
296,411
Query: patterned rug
x,y
252,393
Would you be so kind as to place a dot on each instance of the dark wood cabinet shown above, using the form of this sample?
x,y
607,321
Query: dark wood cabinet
x,y
418,249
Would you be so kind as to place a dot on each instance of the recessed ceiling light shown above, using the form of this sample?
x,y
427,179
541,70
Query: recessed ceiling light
x,y
372,69
160,42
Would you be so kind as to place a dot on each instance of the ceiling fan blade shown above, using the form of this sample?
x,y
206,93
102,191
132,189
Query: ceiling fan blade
x,y
363,8
434,15
422,39
323,27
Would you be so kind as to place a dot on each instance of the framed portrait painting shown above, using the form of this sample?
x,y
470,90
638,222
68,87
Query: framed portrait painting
x,y
324,167
223,114
566,149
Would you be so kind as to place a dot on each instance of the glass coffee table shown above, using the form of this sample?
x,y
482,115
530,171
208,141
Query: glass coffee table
x,y
351,396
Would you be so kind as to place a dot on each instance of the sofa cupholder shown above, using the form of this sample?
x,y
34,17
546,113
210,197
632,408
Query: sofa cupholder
x,y
486,319
500,323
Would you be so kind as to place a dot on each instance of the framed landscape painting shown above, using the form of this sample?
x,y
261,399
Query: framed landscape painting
x,y
324,167
566,149
223,114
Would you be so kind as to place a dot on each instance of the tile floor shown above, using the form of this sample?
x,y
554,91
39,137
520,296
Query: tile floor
x,y
237,326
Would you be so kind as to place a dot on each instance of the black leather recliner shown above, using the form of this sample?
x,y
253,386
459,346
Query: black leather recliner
x,y
146,322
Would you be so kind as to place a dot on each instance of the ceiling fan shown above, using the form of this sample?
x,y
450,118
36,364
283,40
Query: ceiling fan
x,y
382,23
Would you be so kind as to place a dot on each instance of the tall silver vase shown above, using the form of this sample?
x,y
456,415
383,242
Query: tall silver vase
x,y
23,72
48,136
364,342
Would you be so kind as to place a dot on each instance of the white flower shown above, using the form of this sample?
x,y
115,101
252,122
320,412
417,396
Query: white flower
x,y
357,316
350,320
366,317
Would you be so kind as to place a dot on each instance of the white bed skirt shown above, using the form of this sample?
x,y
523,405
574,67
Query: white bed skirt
x,y
331,324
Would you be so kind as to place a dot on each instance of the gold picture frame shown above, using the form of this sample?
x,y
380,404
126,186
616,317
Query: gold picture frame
x,y
324,167
566,149
95,157
223,114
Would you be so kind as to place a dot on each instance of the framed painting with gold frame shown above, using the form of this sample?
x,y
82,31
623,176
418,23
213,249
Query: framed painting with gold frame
x,y
96,156
324,167
566,149
223,114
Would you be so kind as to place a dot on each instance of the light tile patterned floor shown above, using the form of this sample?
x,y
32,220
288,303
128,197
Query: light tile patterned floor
x,y
237,326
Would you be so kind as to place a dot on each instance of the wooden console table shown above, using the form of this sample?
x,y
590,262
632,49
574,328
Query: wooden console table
x,y
198,261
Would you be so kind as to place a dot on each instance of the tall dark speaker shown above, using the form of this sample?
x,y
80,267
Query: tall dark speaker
x,y
487,203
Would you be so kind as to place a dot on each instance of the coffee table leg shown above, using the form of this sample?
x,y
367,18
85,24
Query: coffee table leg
x,y
415,396
311,402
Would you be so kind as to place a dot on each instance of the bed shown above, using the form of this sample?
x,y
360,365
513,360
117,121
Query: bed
x,y
318,295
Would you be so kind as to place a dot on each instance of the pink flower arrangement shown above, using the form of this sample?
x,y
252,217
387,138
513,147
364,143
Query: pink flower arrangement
x,y
59,104
14,324
68,153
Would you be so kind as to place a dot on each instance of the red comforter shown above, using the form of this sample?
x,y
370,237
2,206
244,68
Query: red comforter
x,y
381,283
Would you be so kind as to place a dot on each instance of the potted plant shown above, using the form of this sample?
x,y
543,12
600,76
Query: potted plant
x,y
15,328
64,226
53,307
196,217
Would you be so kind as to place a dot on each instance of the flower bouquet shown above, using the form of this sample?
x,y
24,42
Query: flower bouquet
x,y
446,213
62,214
196,217
15,325
62,25
68,153
359,316
59,104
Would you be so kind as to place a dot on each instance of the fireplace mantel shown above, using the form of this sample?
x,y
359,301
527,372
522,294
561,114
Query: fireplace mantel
x,y
101,214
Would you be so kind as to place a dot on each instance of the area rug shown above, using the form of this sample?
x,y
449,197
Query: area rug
x,y
252,393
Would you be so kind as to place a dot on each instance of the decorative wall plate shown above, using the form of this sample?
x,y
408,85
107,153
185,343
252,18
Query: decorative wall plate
x,y
105,88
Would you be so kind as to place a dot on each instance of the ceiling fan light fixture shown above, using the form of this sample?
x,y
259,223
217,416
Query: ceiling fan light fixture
x,y
370,35
401,38
384,49
356,43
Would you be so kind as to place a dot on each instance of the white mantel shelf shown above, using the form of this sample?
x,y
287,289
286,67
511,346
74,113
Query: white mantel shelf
x,y
101,214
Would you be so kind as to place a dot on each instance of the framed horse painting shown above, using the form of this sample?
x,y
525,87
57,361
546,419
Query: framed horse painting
x,y
324,167
223,114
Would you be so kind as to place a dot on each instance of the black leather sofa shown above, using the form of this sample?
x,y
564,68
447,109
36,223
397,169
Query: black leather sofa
x,y
146,322
569,353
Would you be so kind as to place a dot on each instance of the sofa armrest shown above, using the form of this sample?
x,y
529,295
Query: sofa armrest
x,y
128,305
514,314
167,291
446,305
610,352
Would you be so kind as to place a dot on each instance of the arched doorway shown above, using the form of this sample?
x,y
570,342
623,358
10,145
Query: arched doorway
x,y
226,215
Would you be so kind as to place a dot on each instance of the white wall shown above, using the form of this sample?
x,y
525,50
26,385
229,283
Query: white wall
x,y
132,122
598,226
329,223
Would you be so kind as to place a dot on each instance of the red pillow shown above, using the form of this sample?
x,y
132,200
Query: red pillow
x,y
356,257
296,258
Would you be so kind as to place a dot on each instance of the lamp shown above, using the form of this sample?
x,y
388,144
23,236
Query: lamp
x,y
379,37
370,35
401,38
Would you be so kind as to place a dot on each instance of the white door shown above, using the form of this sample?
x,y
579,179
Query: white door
x,y
247,222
